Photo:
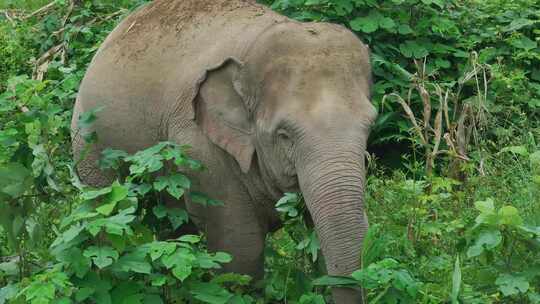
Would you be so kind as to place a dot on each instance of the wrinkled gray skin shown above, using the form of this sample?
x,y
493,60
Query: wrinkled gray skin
x,y
269,105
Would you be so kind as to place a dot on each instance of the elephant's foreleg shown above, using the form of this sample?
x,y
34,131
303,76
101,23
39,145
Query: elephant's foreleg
x,y
235,229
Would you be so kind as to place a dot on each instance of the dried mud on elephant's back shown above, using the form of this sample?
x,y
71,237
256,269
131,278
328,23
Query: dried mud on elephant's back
x,y
163,18
167,13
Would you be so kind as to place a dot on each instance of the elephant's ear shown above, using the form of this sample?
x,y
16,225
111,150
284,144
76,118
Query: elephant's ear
x,y
221,112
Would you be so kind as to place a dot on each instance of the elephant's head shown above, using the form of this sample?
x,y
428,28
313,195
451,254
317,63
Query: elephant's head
x,y
298,107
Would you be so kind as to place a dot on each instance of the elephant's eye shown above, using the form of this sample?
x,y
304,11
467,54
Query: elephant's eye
x,y
282,134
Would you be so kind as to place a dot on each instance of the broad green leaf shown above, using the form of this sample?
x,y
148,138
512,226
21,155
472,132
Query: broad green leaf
x,y
181,256
367,24
335,281
39,292
92,194
534,158
157,249
512,284
160,211
204,200
487,239
222,257
8,292
133,262
69,234
101,256
210,293
117,224
524,42
83,293
118,193
76,261
510,216
190,238
404,29
15,179
413,49
311,298
110,158
486,206
175,184
181,271
87,118
127,293
177,217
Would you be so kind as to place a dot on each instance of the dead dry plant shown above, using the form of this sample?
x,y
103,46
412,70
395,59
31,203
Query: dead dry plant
x,y
455,119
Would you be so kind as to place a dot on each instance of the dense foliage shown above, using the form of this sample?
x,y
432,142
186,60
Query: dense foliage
x,y
454,209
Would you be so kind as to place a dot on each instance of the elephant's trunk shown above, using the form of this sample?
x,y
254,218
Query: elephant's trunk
x,y
332,181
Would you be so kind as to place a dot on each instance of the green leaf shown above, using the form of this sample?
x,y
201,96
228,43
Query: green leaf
x,y
519,23
87,118
110,158
181,263
180,257
76,261
158,249
534,159
519,150
387,23
364,24
117,193
204,200
160,211
510,216
512,284
69,234
413,49
404,29
15,179
487,239
116,224
334,281
127,293
92,194
39,292
190,238
101,256
210,293
177,217
8,292
486,206
175,184
456,282
133,262
222,257
523,42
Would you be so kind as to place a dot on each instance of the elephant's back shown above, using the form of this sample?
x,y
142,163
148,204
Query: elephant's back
x,y
147,69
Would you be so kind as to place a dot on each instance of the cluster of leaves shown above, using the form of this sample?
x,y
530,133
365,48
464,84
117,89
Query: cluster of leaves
x,y
107,251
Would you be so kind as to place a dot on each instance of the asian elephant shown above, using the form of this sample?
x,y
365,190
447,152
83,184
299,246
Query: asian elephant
x,y
268,104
